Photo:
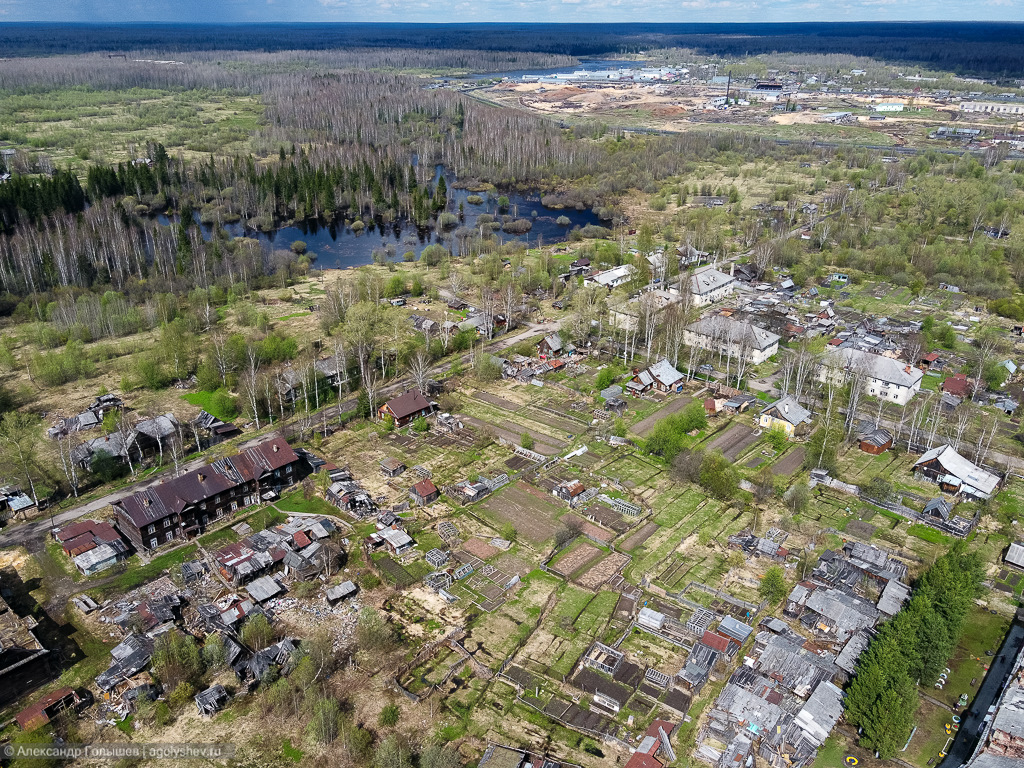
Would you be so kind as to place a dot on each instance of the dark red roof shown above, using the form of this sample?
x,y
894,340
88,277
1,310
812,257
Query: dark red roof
x,y
931,357
835,342
408,404
653,729
301,539
715,642
80,544
102,531
958,385
640,760
424,488
34,716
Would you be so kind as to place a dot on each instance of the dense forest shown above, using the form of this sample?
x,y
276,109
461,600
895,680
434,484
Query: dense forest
x,y
980,48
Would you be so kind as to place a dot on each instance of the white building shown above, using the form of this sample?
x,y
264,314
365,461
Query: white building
x,y
708,285
992,107
611,278
889,106
883,377
732,338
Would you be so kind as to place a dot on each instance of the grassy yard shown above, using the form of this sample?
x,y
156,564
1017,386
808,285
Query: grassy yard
x,y
985,632
930,737
296,502
212,403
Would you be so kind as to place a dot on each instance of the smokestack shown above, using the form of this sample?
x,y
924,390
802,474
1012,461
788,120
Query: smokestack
x,y
728,86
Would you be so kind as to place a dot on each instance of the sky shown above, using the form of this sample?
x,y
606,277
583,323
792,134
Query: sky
x,y
442,11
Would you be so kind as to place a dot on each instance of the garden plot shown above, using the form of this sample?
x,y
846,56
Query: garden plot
x,y
562,424
638,538
631,470
672,511
609,518
575,557
533,516
789,463
500,402
540,437
513,433
735,441
599,573
676,405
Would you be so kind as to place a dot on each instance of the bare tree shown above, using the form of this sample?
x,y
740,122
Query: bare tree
x,y
419,371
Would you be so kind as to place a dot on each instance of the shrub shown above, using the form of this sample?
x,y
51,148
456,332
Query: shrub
x,y
718,476
181,696
389,716
526,441
773,586
605,378
298,247
421,424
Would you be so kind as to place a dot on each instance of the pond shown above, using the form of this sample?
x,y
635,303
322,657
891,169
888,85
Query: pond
x,y
337,246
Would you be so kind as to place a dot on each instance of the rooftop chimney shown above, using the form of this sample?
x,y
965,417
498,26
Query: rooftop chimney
x,y
276,447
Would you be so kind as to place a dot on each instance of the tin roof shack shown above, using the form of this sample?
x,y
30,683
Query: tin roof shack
x,y
424,492
89,418
348,495
1015,554
570,491
24,662
875,441
279,656
214,430
181,508
406,408
93,546
957,385
956,475
797,744
836,615
212,700
757,546
735,630
874,563
51,706
341,591
83,535
130,656
391,467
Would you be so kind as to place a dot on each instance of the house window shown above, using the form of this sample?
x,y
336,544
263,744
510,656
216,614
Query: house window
x,y
152,542
234,505
152,529
205,519
167,522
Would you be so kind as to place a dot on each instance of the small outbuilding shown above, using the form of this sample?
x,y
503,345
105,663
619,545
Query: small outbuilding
x,y
424,493
1015,554
875,441
392,467
341,591
212,700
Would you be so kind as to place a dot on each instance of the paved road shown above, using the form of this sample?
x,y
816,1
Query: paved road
x,y
991,687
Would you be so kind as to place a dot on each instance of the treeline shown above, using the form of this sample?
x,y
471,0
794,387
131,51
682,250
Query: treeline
x,y
912,648
988,48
